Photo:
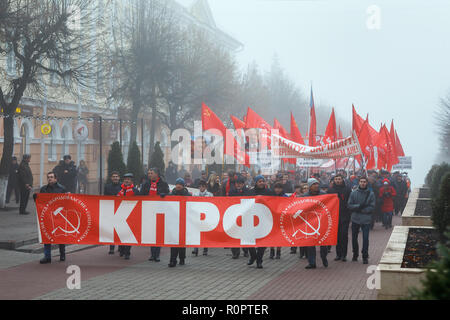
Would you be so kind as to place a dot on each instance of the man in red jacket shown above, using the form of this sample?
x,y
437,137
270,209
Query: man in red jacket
x,y
387,194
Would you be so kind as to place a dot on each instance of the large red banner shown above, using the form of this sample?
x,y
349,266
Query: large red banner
x,y
175,221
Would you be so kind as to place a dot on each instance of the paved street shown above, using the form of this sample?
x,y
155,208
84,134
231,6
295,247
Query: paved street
x,y
215,276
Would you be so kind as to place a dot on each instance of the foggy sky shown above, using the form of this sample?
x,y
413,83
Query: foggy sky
x,y
397,72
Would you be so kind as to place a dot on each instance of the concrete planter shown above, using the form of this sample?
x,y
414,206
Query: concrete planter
x,y
409,218
395,280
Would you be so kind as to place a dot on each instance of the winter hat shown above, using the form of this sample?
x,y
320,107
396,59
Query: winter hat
x,y
257,178
180,181
385,181
312,181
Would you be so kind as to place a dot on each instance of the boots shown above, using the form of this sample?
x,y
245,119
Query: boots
x,y
272,253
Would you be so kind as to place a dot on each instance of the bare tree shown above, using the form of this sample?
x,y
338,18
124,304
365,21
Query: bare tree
x,y
443,123
200,72
143,44
44,38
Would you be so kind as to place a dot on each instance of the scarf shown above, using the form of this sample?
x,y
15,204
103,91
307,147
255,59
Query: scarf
x,y
153,188
126,191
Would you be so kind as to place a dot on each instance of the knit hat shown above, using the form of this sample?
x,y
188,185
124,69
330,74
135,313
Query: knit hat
x,y
386,181
257,178
312,181
180,181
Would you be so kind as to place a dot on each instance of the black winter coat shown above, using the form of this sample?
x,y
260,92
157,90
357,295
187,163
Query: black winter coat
x,y
239,193
162,188
261,192
182,192
69,179
25,176
343,193
112,189
53,188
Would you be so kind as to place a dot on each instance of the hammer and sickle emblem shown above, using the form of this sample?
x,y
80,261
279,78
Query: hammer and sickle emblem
x,y
315,231
73,230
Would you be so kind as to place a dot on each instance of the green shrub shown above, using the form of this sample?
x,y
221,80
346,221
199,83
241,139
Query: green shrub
x,y
429,177
437,177
134,164
115,160
441,207
157,159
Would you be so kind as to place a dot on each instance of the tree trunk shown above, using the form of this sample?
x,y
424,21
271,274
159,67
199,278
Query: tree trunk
x,y
8,145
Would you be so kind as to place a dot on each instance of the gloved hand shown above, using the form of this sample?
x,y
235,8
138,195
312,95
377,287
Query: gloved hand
x,y
162,195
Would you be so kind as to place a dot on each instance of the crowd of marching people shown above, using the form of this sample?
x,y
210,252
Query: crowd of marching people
x,y
365,198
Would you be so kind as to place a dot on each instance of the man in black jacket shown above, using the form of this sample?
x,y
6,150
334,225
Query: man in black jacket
x,y
314,190
238,190
175,252
343,193
260,189
67,173
401,189
52,187
155,186
25,179
13,181
112,189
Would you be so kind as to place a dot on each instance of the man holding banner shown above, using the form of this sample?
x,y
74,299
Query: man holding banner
x,y
314,190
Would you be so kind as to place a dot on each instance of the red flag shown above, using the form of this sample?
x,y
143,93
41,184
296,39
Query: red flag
x,y
281,129
386,151
253,120
238,123
312,124
357,121
366,143
211,121
330,132
398,146
296,136
392,136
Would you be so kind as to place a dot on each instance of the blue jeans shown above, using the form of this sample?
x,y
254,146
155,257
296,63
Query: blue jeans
x,y
387,218
48,250
365,233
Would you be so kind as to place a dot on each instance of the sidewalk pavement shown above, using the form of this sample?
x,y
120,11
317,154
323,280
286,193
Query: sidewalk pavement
x,y
211,277
16,229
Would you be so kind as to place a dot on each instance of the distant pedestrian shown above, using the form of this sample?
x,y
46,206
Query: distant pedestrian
x,y
112,189
343,192
155,186
260,189
171,173
214,185
239,190
175,252
314,190
13,183
52,187
67,173
362,205
401,189
202,193
387,193
25,179
82,173
127,190
278,190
